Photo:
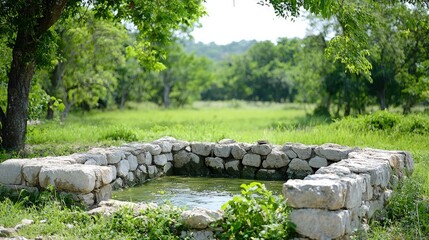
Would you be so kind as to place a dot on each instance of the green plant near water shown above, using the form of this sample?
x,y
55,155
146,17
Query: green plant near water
x,y
256,214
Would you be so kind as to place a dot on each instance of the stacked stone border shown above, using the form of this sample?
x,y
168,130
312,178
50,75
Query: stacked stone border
x,y
332,189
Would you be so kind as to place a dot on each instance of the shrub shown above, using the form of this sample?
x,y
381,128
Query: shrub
x,y
256,213
120,133
381,120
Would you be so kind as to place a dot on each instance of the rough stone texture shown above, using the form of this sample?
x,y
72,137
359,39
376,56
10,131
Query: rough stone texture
x,y
182,158
276,159
302,151
321,193
94,155
130,179
103,194
168,168
217,164
378,170
132,160
111,206
69,178
200,218
333,169
87,199
318,162
103,176
320,224
203,149
298,169
165,146
152,171
113,171
261,149
118,184
169,156
237,151
10,171
140,176
270,174
160,160
355,186
291,154
333,152
122,168
179,145
248,172
114,156
153,149
222,150
252,160
233,168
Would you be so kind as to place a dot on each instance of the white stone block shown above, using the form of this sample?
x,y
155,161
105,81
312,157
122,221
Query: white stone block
x,y
321,193
70,178
10,171
253,160
321,224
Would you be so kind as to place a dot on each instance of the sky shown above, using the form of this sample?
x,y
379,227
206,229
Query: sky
x,y
234,20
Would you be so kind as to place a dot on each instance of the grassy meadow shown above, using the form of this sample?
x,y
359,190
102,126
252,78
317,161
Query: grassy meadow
x,y
407,216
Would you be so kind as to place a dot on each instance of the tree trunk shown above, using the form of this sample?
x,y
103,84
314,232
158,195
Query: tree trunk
x,y
34,19
14,124
56,80
382,98
167,89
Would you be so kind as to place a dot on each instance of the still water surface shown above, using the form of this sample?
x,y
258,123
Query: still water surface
x,y
210,193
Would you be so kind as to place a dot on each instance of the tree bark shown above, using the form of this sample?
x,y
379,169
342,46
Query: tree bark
x,y
34,18
14,126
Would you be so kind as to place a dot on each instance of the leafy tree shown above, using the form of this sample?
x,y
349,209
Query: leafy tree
x,y
26,26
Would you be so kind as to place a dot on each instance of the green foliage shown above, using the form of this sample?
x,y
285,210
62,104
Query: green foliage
x,y
389,122
256,214
120,133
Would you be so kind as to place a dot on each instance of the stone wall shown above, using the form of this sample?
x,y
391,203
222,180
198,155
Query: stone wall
x,y
349,185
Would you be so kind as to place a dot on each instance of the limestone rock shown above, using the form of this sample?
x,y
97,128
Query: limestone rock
x,y
237,151
216,165
321,193
168,168
6,232
318,162
179,145
166,146
276,159
333,152
227,141
233,168
114,156
334,169
222,150
113,171
203,149
182,158
132,161
118,184
302,151
321,224
298,169
261,149
69,178
152,171
130,179
10,171
197,235
248,172
144,158
200,218
94,155
160,160
253,160
104,175
153,149
378,170
270,174
122,168
103,194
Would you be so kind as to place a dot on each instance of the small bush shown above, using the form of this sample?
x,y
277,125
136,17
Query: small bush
x,y
120,133
256,214
381,120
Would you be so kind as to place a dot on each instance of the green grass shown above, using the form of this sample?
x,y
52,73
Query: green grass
x,y
407,217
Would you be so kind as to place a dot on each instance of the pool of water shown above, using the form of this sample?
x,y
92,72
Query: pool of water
x,y
210,193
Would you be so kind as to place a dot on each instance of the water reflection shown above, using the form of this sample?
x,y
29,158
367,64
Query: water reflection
x,y
210,193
